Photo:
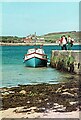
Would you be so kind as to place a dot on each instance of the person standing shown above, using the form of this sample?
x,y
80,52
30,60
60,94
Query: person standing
x,y
63,42
70,42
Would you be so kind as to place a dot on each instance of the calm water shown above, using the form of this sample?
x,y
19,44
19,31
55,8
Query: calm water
x,y
14,72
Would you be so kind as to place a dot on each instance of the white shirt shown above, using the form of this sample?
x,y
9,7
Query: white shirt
x,y
64,41
69,39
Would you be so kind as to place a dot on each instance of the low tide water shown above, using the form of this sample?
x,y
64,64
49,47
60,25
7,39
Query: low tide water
x,y
13,71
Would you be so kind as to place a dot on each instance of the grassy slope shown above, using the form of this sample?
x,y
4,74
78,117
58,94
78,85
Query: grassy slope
x,y
53,37
50,37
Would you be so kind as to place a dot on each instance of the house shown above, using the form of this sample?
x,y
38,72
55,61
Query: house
x,y
28,39
33,39
40,40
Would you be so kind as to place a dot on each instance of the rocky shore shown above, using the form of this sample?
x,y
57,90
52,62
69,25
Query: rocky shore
x,y
62,97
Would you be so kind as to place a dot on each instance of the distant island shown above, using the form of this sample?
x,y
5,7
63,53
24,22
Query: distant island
x,y
50,38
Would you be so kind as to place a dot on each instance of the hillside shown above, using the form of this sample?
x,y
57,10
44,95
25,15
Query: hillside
x,y
49,38
53,37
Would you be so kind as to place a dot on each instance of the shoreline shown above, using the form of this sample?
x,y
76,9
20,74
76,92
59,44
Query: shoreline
x,y
42,100
31,44
49,114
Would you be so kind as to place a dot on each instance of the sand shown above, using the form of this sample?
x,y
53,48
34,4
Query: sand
x,y
9,113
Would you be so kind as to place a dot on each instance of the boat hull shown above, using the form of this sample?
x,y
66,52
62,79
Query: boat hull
x,y
35,62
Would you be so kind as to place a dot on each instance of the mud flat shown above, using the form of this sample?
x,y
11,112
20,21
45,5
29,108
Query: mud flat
x,y
42,100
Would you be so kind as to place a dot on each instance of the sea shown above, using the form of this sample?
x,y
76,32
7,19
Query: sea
x,y
13,71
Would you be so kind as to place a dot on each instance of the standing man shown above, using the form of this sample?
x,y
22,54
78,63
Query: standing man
x,y
63,42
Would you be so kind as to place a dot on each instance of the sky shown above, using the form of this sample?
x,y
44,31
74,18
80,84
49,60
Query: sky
x,y
24,18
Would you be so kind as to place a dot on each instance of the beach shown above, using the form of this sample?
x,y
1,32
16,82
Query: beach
x,y
50,114
42,100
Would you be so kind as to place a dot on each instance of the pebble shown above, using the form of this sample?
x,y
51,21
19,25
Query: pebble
x,y
28,102
22,92
40,101
32,111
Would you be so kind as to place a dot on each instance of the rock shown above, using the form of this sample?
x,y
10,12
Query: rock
x,y
18,110
5,93
48,103
28,102
70,77
67,93
56,104
33,108
32,111
40,110
72,103
22,92
71,108
46,99
47,110
11,92
74,89
76,95
80,108
61,109
58,108
60,89
3,90
20,74
28,110
40,101
65,90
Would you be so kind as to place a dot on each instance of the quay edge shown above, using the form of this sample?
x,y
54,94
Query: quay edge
x,y
66,60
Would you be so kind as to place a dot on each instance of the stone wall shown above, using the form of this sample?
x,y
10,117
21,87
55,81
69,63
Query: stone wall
x,y
66,60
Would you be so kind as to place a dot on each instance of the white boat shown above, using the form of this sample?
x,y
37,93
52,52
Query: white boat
x,y
35,57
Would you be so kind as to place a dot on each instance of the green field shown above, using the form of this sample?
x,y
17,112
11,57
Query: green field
x,y
53,37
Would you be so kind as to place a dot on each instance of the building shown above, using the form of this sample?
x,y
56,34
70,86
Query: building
x,y
33,39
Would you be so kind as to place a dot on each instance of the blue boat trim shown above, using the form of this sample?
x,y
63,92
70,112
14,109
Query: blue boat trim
x,y
36,62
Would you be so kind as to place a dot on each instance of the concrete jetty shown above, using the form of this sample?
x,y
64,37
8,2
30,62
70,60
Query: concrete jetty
x,y
66,60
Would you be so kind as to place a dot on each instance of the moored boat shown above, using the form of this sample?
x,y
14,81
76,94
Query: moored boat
x,y
35,57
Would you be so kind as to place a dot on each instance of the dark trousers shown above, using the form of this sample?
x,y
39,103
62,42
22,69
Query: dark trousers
x,y
64,47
